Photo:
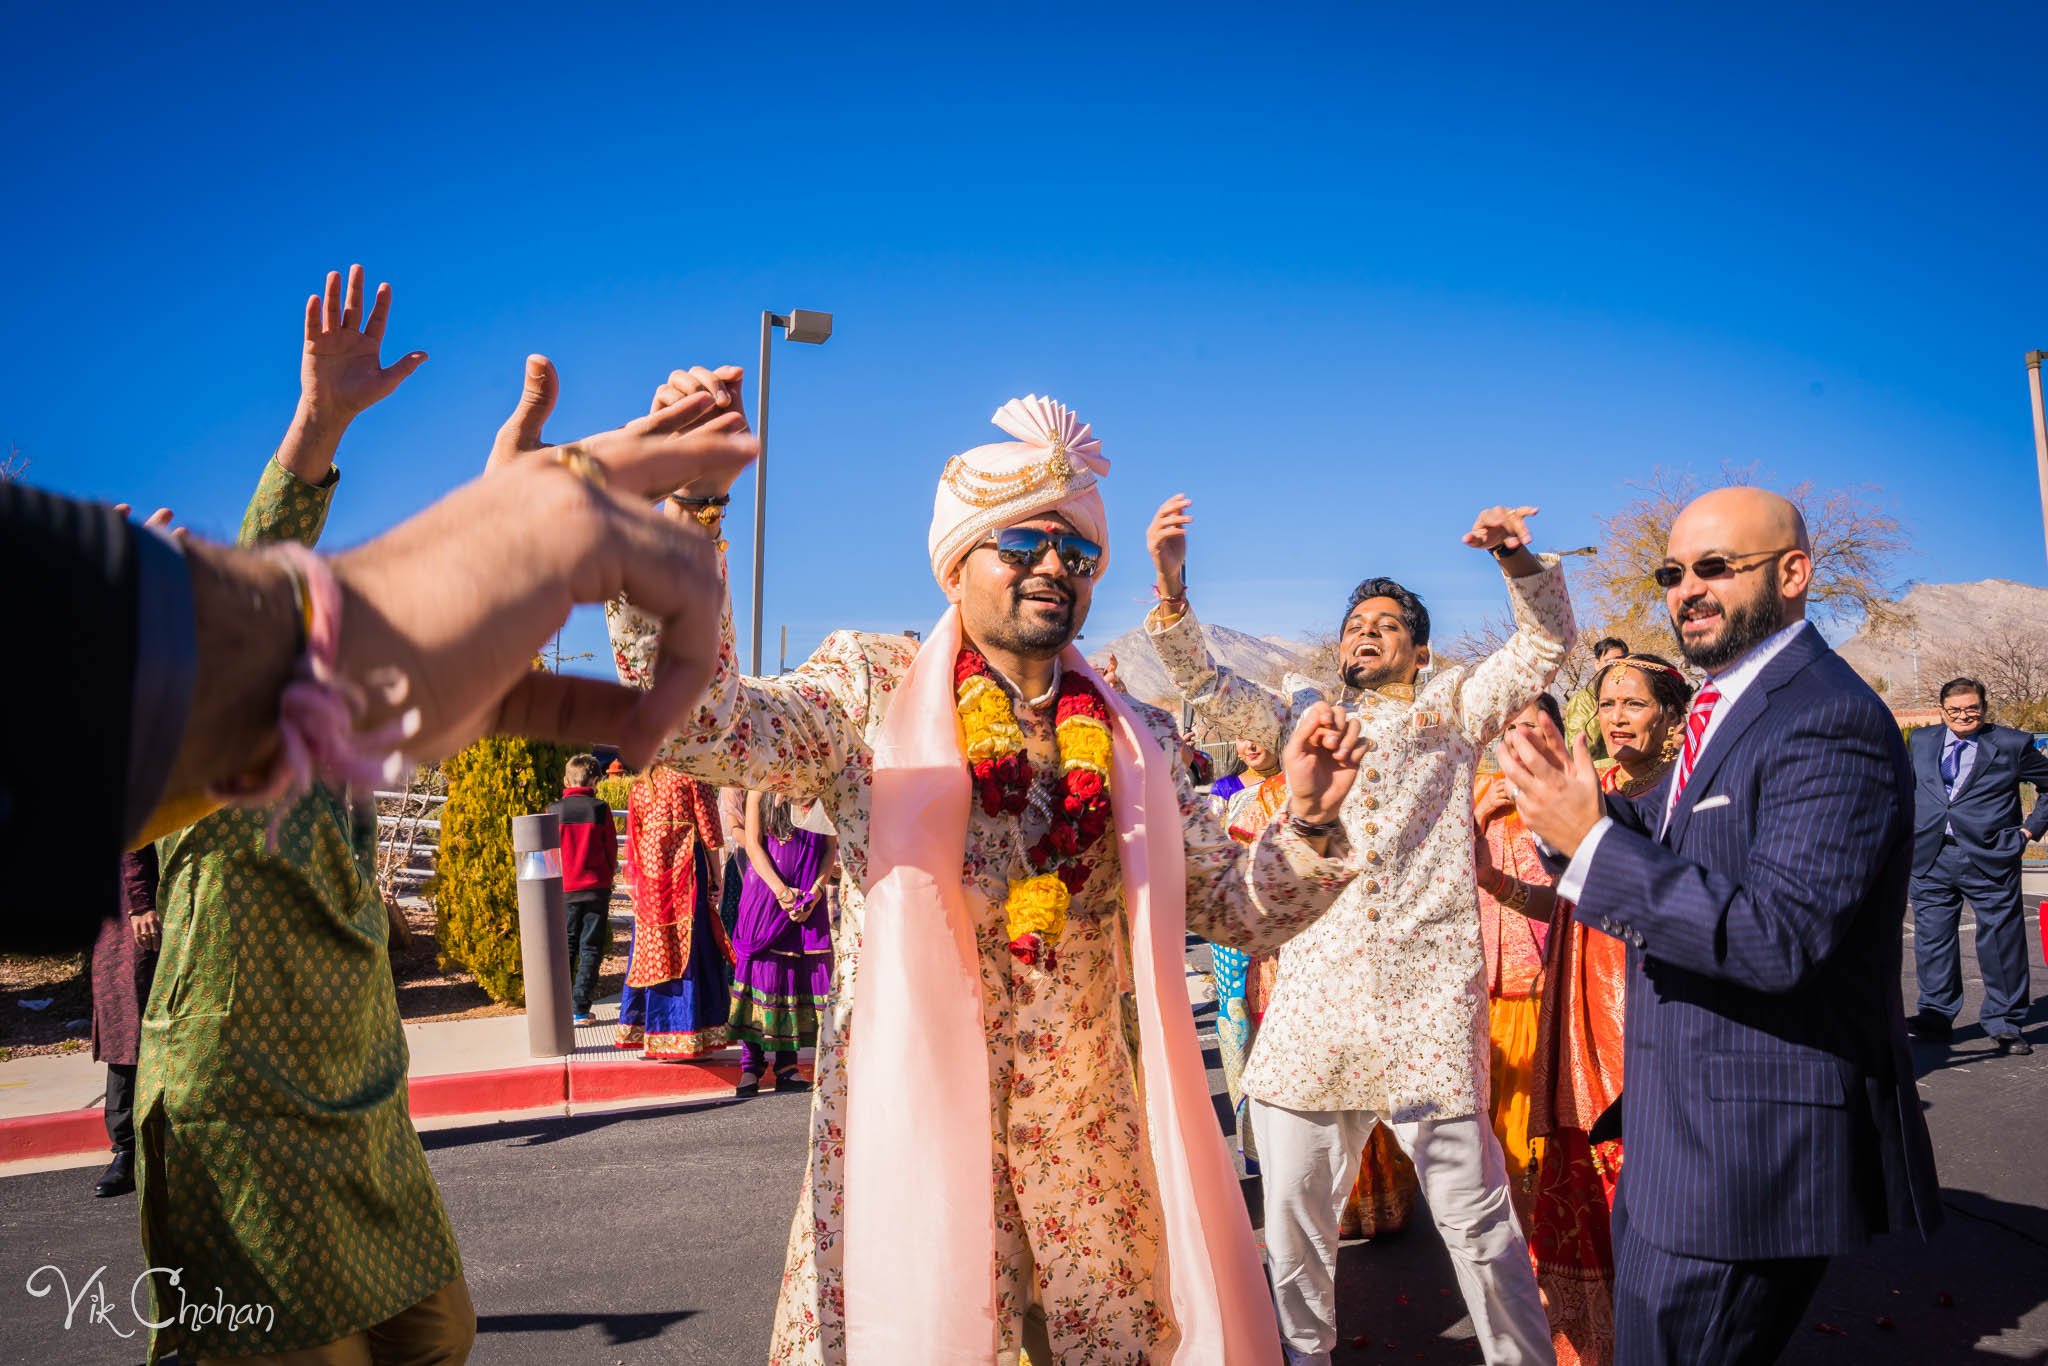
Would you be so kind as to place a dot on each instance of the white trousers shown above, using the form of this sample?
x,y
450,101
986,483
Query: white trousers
x,y
1309,1160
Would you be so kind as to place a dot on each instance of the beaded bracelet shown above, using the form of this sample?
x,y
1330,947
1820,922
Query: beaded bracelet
x,y
319,710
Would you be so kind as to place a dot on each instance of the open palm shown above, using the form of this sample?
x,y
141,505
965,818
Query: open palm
x,y
340,373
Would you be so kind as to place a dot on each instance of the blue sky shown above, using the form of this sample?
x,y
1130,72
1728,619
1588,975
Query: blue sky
x,y
1342,274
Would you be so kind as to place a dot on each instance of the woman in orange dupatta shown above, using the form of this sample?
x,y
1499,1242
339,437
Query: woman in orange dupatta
x,y
1578,1068
1513,891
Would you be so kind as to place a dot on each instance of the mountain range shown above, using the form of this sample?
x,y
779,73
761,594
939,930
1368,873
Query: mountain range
x,y
1264,659
1949,621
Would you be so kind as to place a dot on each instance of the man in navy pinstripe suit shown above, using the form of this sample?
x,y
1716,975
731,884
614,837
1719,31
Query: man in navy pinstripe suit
x,y
1769,1114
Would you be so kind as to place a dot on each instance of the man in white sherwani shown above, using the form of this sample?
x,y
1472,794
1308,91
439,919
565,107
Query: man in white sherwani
x,y
1379,1013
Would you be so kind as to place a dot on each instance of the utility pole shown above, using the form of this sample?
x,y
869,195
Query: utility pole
x,y
2034,359
556,658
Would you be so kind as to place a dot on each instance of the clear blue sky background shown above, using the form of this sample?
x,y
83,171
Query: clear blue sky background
x,y
1343,274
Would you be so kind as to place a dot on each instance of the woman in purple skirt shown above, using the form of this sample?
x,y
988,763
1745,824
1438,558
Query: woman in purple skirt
x,y
782,943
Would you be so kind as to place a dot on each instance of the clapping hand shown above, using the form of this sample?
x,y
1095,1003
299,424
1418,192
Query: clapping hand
x,y
1557,789
1497,801
1321,763
340,372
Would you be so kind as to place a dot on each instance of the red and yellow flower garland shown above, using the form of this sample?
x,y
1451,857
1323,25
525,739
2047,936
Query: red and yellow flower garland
x,y
1036,908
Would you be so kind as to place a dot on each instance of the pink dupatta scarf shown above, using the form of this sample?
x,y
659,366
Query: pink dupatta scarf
x,y
919,1251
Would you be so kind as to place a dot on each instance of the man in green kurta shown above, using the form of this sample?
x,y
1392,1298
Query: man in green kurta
x,y
281,1176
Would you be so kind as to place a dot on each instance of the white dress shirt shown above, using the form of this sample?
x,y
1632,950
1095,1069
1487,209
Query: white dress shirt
x,y
1731,686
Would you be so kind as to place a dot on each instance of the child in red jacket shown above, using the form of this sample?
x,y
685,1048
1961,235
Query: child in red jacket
x,y
590,861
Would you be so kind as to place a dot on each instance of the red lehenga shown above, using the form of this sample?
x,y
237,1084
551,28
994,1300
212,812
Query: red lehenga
x,y
1577,1076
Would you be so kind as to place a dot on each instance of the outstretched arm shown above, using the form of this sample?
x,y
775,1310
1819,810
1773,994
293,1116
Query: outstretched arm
x,y
1509,679
791,735
340,376
1229,707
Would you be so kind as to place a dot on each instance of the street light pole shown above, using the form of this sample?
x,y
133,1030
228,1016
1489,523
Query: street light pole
x,y
2034,359
802,325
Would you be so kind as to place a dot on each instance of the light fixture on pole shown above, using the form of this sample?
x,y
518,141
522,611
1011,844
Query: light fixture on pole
x,y
800,325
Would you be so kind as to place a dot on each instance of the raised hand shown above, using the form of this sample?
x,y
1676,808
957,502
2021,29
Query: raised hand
x,y
521,433
1110,675
1167,540
1321,762
1505,527
727,414
1557,789
511,553
161,518
340,371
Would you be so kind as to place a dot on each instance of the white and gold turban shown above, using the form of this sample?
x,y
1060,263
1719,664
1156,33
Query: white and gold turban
x,y
1052,466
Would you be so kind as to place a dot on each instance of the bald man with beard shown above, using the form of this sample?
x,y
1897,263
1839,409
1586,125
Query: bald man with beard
x,y
1770,1117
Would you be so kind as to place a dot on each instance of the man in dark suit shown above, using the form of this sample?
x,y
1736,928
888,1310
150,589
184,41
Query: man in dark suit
x,y
1967,843
1770,1113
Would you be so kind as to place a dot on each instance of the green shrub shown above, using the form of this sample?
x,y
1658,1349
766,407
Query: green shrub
x,y
613,792
475,895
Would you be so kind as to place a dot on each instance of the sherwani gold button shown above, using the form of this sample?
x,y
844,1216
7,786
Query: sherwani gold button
x,y
1372,887
1372,856
1372,913
1372,775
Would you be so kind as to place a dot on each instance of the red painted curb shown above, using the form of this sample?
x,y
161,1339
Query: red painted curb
x,y
506,1088
578,1081
630,1079
58,1134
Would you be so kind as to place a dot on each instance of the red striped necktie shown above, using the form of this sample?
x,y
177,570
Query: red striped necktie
x,y
1695,735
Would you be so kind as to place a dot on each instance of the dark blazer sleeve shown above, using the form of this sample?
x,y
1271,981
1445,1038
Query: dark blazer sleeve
x,y
70,572
1826,799
2034,769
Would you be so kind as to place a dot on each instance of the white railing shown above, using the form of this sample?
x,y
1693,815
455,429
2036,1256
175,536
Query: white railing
x,y
398,831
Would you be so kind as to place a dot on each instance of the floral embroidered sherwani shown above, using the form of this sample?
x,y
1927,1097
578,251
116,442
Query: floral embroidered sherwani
x,y
1381,1004
1070,1173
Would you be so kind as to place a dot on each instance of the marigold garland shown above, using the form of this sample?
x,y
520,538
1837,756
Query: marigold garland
x,y
1035,911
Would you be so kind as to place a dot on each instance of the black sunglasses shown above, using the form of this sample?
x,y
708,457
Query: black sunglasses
x,y
1024,546
1712,566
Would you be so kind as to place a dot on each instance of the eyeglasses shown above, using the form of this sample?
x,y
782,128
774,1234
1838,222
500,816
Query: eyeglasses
x,y
1962,713
1712,566
1023,546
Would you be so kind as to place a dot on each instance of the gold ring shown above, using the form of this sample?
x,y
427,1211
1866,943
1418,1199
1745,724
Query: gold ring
x,y
580,463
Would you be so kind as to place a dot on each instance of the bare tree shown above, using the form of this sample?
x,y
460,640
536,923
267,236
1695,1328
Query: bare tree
x,y
1856,545
13,465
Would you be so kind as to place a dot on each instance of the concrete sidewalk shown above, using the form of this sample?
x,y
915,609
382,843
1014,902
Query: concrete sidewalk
x,y
52,1111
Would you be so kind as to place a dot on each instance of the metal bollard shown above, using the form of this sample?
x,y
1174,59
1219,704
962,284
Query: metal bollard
x,y
543,934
